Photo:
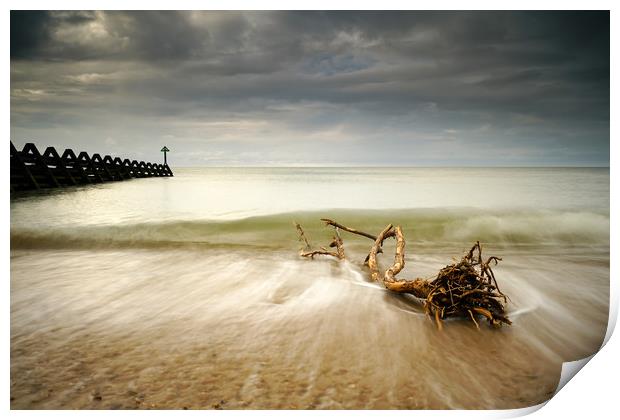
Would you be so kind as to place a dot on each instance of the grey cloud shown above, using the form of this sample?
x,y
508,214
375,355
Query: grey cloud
x,y
356,82
29,32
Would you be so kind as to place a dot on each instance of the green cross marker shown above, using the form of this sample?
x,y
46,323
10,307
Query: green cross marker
x,y
165,149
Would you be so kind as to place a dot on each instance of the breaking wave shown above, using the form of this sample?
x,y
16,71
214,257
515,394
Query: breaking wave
x,y
422,226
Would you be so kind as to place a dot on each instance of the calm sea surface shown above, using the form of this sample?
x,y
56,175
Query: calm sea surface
x,y
189,292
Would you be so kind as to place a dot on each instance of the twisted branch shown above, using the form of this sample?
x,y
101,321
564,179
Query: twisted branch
x,y
463,289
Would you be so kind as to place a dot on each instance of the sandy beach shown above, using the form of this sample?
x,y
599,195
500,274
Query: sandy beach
x,y
163,302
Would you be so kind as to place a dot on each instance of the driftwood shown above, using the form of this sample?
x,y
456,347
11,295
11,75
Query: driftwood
x,y
465,289
336,242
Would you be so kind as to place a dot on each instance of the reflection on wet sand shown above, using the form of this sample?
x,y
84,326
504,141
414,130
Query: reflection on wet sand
x,y
220,329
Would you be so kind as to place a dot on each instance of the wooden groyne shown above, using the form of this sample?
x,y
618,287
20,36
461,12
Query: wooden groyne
x,y
32,170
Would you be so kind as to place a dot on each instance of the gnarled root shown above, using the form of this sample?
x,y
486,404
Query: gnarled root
x,y
467,288
335,243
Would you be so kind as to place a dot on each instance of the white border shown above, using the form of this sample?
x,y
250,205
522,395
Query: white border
x,y
592,394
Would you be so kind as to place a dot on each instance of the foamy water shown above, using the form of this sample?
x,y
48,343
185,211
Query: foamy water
x,y
188,292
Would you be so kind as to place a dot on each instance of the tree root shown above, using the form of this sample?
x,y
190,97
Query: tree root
x,y
336,242
465,289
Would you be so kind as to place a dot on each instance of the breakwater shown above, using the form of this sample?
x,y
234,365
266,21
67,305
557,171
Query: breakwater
x,y
32,170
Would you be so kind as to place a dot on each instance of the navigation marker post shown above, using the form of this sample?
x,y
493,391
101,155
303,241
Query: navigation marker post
x,y
165,149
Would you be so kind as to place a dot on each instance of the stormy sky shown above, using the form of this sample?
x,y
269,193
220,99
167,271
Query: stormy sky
x,y
316,88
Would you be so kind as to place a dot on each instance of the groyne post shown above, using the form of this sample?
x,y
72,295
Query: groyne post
x,y
32,170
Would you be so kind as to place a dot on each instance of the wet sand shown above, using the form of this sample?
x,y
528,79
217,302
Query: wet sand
x,y
209,329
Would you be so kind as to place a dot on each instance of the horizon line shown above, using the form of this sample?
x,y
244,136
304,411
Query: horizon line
x,y
397,166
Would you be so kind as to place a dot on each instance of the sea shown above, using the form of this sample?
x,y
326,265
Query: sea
x,y
189,291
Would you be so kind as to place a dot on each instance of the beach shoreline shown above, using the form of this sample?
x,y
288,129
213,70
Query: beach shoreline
x,y
275,332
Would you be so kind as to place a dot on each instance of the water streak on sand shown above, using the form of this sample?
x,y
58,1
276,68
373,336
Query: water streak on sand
x,y
201,303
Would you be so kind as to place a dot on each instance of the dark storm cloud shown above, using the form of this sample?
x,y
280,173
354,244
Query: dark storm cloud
x,y
29,31
525,87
